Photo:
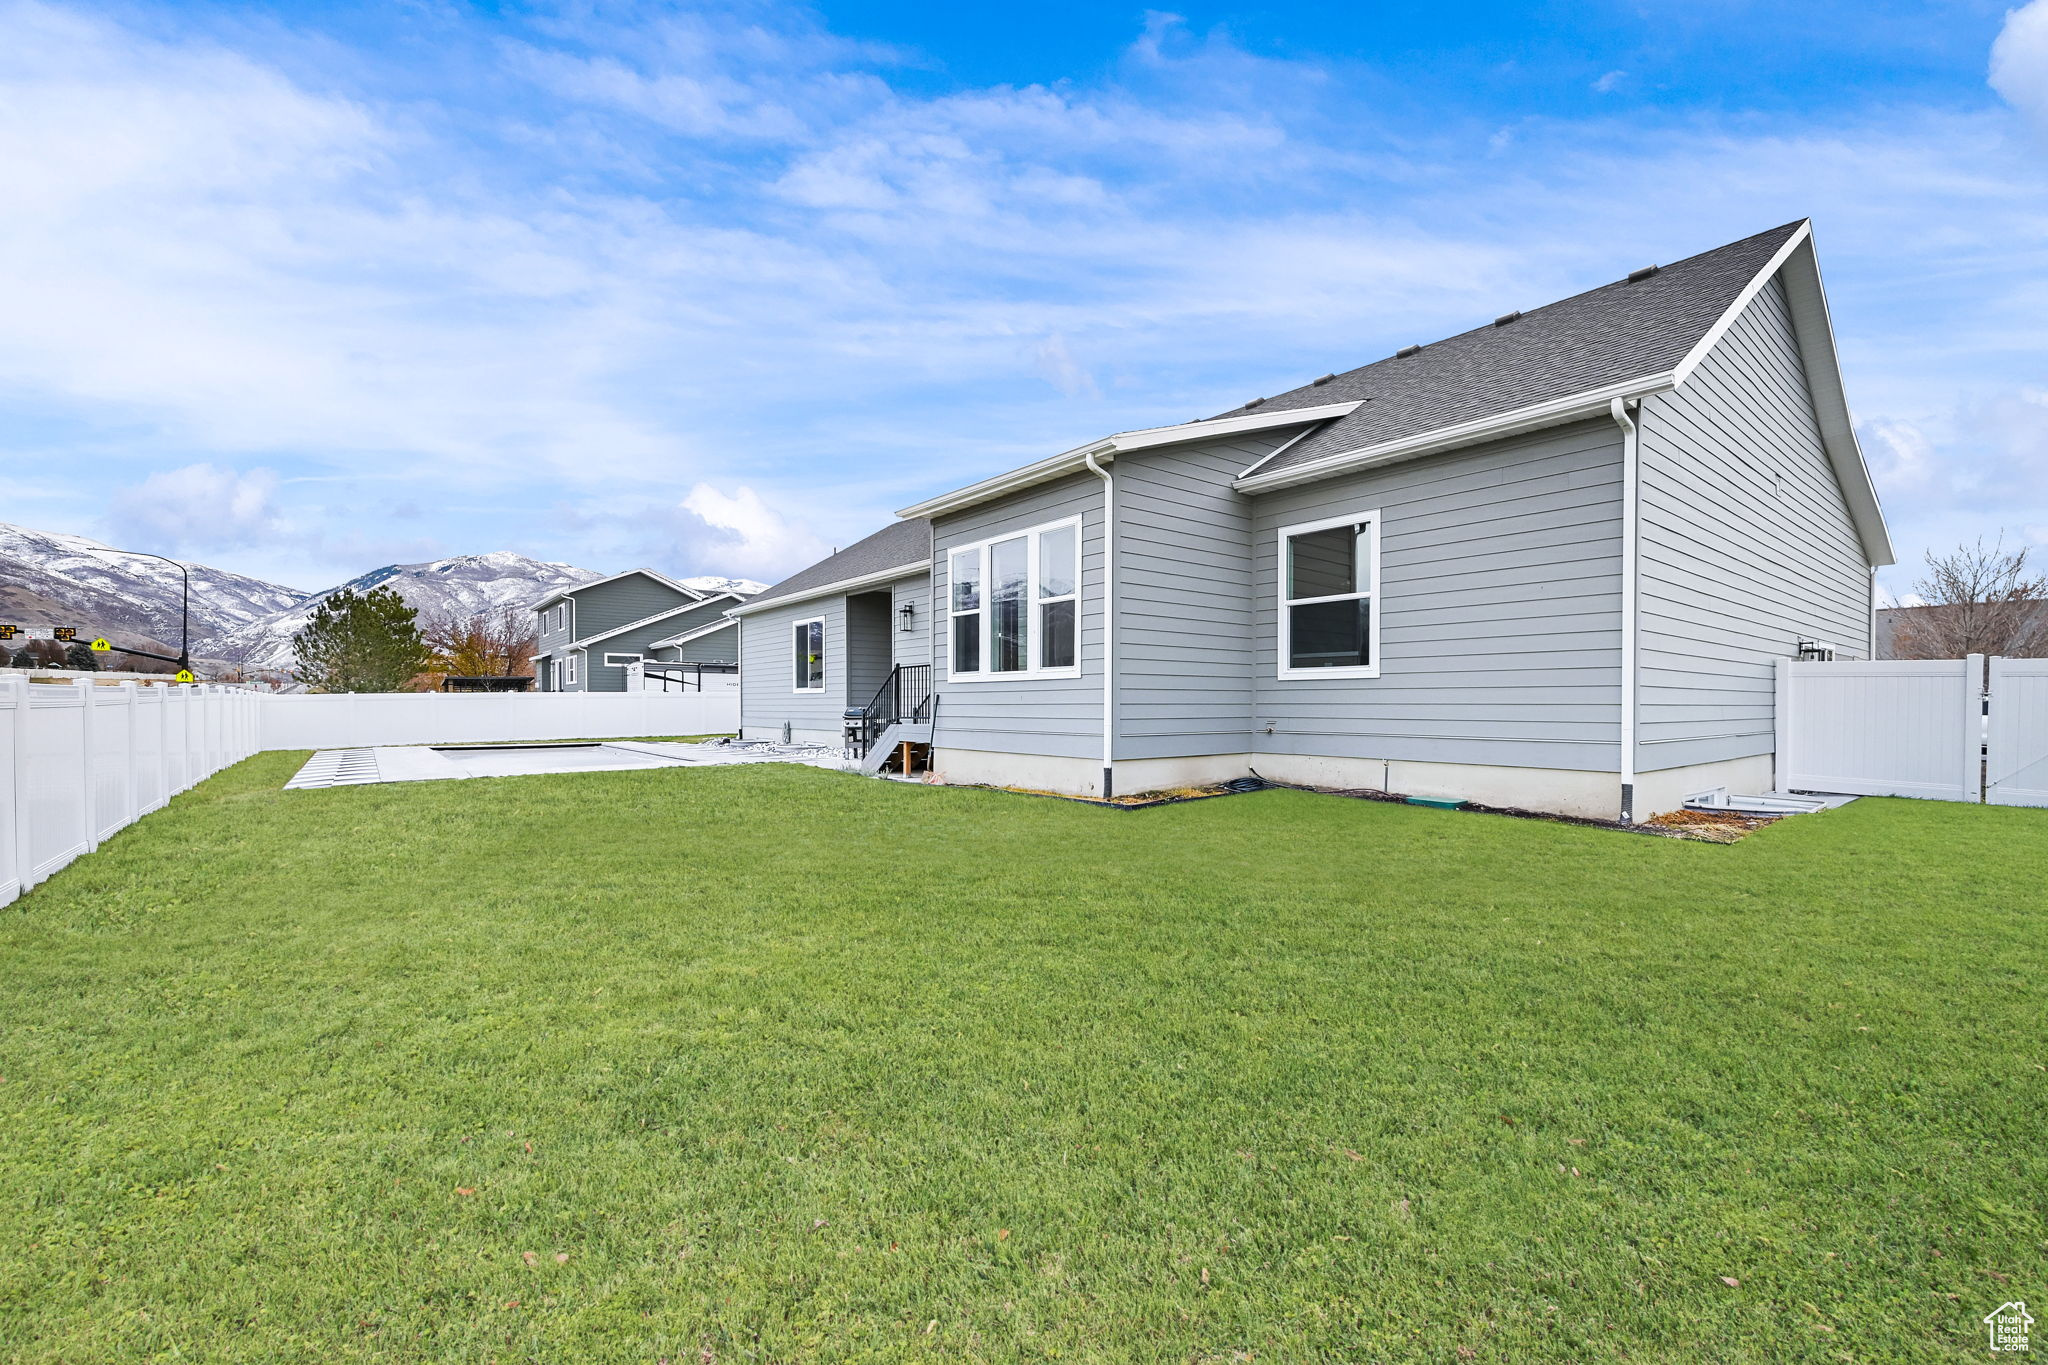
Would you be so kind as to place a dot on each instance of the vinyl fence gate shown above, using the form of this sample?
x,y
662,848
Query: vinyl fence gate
x,y
1941,729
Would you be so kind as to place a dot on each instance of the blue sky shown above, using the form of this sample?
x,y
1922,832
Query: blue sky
x,y
302,289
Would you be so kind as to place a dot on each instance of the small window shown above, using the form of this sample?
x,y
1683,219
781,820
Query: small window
x,y
809,656
1015,604
621,660
1329,600
568,670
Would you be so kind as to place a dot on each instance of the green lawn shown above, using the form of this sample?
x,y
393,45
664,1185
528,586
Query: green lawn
x,y
772,1064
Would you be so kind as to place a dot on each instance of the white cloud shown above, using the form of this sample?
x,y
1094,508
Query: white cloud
x,y
1058,367
200,507
2019,60
750,537
1610,82
725,253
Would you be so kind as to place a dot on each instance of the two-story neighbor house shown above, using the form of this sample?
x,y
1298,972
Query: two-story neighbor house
x,y
1550,562
589,633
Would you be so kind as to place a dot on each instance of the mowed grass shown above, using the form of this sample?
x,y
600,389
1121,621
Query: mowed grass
x,y
773,1064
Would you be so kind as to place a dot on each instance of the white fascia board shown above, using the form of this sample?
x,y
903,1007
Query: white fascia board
x,y
559,593
635,625
1075,460
1574,407
724,622
1801,236
1807,300
866,580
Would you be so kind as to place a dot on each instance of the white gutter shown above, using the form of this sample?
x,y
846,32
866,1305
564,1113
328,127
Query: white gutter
x,y
1108,623
866,580
1124,442
1575,407
1630,535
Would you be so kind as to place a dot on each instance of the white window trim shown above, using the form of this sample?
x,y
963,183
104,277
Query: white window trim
x,y
568,670
823,673
1031,536
621,660
1286,651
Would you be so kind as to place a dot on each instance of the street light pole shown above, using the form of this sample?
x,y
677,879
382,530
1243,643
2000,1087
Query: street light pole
x,y
184,612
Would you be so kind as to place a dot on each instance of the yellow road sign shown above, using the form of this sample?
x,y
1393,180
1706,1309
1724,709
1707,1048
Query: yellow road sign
x,y
100,646
184,675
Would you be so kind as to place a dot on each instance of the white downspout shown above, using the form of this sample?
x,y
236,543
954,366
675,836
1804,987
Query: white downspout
x,y
1108,623
1629,540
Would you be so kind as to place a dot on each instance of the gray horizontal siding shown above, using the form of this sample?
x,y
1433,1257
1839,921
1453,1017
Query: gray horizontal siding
x,y
1057,717
1747,545
768,667
1184,607
607,606
1500,596
913,646
718,647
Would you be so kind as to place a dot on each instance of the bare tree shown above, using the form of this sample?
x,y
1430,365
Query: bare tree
x,y
1979,600
489,644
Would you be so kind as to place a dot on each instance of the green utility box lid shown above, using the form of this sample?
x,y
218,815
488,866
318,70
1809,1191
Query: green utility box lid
x,y
1437,802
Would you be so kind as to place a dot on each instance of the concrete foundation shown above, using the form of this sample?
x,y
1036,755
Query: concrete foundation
x,y
1558,791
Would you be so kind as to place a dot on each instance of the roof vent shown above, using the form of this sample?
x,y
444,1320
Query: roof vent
x,y
1324,380
1505,318
1255,402
1638,276
1407,351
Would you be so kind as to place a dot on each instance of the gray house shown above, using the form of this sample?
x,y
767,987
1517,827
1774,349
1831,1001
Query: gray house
x,y
589,634
1550,562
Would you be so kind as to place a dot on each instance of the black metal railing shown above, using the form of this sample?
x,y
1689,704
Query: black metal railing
x,y
905,695
681,677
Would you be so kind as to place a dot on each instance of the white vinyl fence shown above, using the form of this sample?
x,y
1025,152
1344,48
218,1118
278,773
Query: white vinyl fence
x,y
79,762
2016,743
1882,727
1932,728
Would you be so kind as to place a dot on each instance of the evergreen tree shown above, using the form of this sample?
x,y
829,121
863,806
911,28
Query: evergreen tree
x,y
368,642
22,659
81,657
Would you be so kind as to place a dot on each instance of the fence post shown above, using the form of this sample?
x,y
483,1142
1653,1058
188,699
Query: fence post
x,y
89,787
131,769
1782,724
18,822
1973,728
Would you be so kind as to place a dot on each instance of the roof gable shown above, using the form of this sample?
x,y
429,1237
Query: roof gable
x,y
560,594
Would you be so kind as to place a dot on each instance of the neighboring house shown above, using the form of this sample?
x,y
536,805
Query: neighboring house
x,y
1550,563
589,634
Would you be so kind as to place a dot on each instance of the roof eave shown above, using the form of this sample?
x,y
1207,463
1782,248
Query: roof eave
x,y
1575,407
855,584
1807,299
1126,442
557,594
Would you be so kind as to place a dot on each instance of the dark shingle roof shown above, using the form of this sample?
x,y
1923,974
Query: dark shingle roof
x,y
900,542
1608,335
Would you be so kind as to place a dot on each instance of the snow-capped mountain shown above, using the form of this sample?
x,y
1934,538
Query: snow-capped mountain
x,y
245,620
464,585
111,589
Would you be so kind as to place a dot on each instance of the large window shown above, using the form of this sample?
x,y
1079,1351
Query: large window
x,y
1329,598
1014,604
808,656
